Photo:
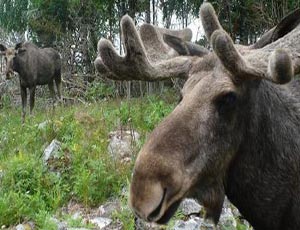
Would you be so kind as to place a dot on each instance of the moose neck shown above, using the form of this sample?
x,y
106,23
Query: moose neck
x,y
255,176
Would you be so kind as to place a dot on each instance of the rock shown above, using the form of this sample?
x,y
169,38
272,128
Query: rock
x,y
227,219
26,226
55,159
20,227
142,225
60,225
191,224
189,207
52,151
107,209
43,125
191,210
101,222
121,144
77,215
78,229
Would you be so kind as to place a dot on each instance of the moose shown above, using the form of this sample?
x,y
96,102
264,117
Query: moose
x,y
35,66
236,130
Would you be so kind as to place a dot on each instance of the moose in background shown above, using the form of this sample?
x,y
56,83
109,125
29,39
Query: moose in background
x,y
35,66
236,131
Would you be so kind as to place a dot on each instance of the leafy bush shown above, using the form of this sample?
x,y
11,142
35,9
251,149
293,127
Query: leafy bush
x,y
98,91
95,182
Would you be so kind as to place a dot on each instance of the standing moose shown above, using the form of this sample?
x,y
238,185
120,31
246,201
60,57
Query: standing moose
x,y
35,66
236,131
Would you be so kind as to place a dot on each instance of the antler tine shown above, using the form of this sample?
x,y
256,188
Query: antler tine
x,y
185,47
154,45
135,65
209,19
184,34
103,70
158,47
280,68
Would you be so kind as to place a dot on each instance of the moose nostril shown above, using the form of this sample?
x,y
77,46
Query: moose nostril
x,y
156,211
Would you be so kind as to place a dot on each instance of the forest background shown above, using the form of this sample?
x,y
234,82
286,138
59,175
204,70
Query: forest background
x,y
74,27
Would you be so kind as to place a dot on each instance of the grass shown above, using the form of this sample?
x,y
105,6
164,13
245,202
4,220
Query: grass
x,y
29,191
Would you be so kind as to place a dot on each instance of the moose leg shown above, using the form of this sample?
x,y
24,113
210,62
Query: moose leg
x,y
24,102
32,96
58,86
52,92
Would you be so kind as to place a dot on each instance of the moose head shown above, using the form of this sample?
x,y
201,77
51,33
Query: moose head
x,y
213,142
12,56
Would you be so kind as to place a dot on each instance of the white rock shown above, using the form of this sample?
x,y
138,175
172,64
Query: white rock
x,y
52,150
121,143
78,229
43,125
20,227
60,225
101,222
76,215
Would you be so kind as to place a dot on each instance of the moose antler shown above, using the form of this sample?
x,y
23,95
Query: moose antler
x,y
153,54
150,60
185,47
273,62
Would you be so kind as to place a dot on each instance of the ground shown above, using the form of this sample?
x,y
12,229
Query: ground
x,y
83,181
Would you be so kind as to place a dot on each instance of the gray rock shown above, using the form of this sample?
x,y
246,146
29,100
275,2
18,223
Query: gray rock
x,y
78,229
52,150
60,225
76,216
189,207
43,125
20,227
227,218
191,224
107,209
142,225
101,222
55,159
121,144
26,226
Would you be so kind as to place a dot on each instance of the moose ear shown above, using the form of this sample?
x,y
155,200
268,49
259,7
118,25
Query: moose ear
x,y
19,48
2,48
286,25
19,45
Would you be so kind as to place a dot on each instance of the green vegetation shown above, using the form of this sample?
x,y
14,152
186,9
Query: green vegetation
x,y
29,191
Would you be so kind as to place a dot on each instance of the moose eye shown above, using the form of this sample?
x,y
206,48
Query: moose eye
x,y
226,102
